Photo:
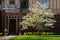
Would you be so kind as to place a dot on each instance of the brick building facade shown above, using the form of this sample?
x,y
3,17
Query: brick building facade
x,y
12,11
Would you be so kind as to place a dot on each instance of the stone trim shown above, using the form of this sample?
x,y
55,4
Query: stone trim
x,y
12,17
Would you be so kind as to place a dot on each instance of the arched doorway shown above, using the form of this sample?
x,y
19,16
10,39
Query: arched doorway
x,y
12,26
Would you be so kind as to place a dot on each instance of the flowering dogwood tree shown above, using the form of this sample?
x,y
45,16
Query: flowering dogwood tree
x,y
38,18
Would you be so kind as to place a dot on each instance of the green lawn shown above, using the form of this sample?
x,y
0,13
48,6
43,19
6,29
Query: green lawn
x,y
26,37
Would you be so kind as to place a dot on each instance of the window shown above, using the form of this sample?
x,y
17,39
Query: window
x,y
24,4
11,7
12,4
44,3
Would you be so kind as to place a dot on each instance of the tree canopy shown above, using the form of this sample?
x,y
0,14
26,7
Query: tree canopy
x,y
38,18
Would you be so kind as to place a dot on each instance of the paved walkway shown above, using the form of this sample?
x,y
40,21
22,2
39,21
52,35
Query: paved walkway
x,y
6,37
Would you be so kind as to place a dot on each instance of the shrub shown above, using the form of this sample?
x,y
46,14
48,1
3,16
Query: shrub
x,y
27,33
6,30
47,33
0,34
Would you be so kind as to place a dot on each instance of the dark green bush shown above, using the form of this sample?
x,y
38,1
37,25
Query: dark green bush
x,y
38,33
0,34
57,33
27,33
47,33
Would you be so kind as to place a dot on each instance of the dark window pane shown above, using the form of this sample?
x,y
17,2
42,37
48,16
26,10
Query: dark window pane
x,y
12,1
24,4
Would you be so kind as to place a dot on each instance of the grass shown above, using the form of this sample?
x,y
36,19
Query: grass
x,y
33,37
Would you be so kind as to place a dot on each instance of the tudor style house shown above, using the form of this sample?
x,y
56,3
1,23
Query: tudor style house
x,y
11,12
